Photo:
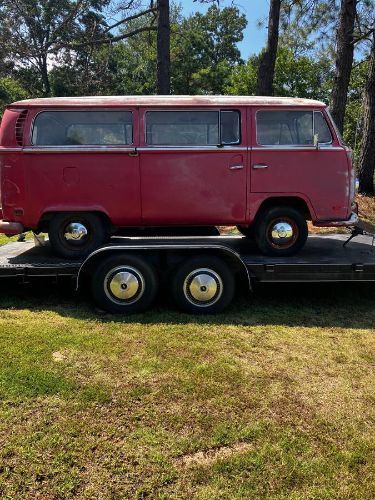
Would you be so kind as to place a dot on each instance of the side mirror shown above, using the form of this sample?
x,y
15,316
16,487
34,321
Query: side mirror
x,y
316,141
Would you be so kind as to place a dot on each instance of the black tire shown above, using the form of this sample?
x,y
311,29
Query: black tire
x,y
97,234
211,270
247,231
124,284
265,229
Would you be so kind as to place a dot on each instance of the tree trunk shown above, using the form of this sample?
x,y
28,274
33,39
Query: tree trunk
x,y
163,49
367,155
267,59
43,66
344,61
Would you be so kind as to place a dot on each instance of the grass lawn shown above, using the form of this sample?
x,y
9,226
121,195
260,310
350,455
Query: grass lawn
x,y
274,399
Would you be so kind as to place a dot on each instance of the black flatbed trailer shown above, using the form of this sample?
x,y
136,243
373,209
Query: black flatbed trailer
x,y
323,259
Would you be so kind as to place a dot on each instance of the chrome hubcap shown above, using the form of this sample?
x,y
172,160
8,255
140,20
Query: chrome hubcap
x,y
282,232
75,231
203,287
124,284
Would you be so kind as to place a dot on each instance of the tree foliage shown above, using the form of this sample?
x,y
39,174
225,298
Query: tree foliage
x,y
10,91
294,76
206,51
36,32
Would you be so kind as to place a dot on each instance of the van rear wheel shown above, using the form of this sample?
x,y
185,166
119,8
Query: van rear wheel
x,y
75,235
280,231
203,285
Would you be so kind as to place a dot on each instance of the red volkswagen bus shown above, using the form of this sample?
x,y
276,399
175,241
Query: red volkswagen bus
x,y
83,168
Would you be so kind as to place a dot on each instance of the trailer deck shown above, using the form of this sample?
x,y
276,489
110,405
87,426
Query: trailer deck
x,y
323,259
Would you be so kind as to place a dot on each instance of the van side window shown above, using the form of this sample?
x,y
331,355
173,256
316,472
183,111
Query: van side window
x,y
192,128
286,128
230,127
321,128
83,128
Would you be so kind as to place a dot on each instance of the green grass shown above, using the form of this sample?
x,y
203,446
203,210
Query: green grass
x,y
274,399
5,239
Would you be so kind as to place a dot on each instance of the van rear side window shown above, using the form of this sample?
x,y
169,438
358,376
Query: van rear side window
x,y
192,128
83,128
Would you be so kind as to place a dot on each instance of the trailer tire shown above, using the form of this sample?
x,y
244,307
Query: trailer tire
x,y
203,285
75,235
280,231
124,284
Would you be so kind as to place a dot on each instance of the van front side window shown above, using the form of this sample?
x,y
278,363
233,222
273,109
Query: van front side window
x,y
83,128
321,128
285,128
192,128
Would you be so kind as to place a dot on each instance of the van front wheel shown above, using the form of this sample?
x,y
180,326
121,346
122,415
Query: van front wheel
x,y
280,231
75,235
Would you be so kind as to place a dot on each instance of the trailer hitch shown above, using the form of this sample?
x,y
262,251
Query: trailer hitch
x,y
357,231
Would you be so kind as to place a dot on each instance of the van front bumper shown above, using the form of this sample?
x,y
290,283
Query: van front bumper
x,y
352,221
11,228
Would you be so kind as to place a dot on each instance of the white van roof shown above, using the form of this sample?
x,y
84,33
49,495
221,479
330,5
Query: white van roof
x,y
170,100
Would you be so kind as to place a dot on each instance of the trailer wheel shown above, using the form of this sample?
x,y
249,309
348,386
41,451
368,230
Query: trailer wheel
x,y
75,235
203,285
124,284
280,231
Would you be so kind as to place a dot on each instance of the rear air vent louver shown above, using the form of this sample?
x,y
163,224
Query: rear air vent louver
x,y
19,127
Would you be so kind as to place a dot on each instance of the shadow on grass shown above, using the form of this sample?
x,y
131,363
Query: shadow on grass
x,y
347,305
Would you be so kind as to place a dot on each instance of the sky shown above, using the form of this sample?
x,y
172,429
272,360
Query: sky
x,y
254,10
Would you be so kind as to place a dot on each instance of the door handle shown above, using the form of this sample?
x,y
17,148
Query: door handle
x,y
133,153
260,166
236,167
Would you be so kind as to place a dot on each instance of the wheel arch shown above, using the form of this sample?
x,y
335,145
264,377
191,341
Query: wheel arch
x,y
46,217
297,202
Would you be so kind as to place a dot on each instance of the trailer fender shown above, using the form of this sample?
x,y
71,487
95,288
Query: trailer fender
x,y
101,253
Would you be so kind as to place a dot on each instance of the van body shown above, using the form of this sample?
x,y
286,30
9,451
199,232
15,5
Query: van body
x,y
83,168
